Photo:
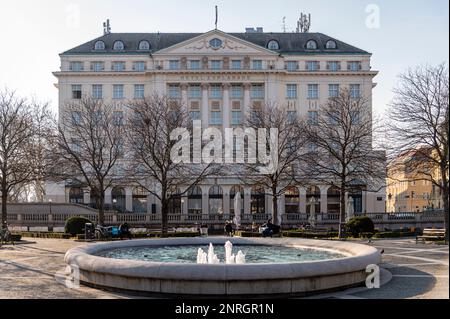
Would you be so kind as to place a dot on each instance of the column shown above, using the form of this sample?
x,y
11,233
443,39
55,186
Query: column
x,y
129,199
86,196
247,200
247,101
324,199
108,196
205,200
184,202
205,105
184,95
302,200
226,106
269,203
226,201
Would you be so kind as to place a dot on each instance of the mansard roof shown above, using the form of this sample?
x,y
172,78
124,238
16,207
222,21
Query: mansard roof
x,y
289,43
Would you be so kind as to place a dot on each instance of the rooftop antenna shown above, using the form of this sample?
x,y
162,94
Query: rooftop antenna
x,y
304,23
106,27
284,24
217,16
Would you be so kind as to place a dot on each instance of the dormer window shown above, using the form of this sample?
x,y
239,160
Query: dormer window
x,y
273,45
99,46
311,45
144,45
331,45
118,46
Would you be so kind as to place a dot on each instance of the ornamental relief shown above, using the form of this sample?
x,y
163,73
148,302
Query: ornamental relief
x,y
226,44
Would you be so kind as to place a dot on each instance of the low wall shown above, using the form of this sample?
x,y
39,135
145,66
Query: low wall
x,y
255,280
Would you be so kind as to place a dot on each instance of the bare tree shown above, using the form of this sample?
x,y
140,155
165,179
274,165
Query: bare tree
x,y
290,143
17,137
152,138
341,152
89,147
419,124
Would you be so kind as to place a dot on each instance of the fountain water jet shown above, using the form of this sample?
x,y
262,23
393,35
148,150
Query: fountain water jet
x,y
212,259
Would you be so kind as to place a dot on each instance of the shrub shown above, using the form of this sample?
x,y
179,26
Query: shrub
x,y
75,225
360,225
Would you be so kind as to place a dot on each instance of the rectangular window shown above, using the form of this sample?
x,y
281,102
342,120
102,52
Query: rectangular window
x,y
118,91
216,91
291,116
76,118
291,91
194,64
97,91
312,66
76,66
139,66
292,66
216,118
236,64
236,92
98,66
236,118
195,92
174,91
195,115
76,92
216,65
334,65
118,118
257,91
355,91
313,91
257,65
174,65
118,66
139,91
354,65
333,90
313,117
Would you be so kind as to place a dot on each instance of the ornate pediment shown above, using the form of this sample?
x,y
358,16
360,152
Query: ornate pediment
x,y
215,42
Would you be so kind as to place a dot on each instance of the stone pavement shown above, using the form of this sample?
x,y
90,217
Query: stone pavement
x,y
27,271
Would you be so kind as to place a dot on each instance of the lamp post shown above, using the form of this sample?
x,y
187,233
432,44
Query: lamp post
x,y
50,201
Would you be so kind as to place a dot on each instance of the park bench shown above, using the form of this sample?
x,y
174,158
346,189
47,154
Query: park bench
x,y
432,234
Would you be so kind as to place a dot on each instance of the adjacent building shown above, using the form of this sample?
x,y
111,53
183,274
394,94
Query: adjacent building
x,y
219,76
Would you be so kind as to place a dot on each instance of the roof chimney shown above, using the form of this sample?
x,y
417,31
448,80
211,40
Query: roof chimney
x,y
254,30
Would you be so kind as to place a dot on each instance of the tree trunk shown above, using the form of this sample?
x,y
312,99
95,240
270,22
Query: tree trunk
x,y
445,194
101,208
275,211
342,211
4,205
164,214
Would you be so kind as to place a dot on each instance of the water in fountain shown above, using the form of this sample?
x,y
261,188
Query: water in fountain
x,y
212,259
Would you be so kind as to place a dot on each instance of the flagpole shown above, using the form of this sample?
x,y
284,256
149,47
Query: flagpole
x,y
217,16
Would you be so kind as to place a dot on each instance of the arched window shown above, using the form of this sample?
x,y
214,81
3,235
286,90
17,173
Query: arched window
x,y
334,200
175,202
99,46
118,199
258,200
311,45
119,46
76,195
331,45
233,200
140,200
216,200
292,200
195,201
144,45
273,45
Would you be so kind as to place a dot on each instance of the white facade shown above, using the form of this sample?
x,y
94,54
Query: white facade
x,y
218,76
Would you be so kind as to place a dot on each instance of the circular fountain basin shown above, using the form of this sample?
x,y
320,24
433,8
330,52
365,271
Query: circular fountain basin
x,y
167,268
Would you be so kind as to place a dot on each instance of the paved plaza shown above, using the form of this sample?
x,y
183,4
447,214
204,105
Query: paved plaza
x,y
418,271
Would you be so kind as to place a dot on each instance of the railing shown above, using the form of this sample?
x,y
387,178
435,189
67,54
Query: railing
x,y
138,220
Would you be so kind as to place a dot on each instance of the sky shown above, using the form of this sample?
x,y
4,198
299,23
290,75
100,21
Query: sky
x,y
399,33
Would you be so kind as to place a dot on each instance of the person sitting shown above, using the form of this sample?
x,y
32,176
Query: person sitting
x,y
229,229
125,231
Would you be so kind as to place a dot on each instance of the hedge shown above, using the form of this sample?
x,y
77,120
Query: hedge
x,y
76,225
360,225
306,234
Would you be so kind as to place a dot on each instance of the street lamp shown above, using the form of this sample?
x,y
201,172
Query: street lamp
x,y
50,201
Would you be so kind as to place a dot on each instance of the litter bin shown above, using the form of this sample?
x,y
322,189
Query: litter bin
x,y
89,231
204,231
